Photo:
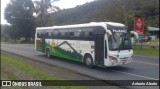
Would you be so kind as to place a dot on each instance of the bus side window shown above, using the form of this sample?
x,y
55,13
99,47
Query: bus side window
x,y
71,34
45,34
77,33
39,34
87,32
56,33
90,34
49,35
63,32
52,34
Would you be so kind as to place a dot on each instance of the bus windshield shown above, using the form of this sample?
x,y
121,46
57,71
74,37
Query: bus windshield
x,y
120,39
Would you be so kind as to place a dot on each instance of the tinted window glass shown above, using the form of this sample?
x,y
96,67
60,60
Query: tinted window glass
x,y
56,33
77,32
63,32
87,32
71,34
39,34
48,34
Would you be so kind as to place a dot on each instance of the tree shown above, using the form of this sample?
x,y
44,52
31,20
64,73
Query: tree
x,y
5,32
112,10
42,10
19,13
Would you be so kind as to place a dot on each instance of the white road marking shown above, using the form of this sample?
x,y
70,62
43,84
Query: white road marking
x,y
135,75
146,63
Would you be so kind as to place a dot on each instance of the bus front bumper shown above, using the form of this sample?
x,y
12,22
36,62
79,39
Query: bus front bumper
x,y
119,61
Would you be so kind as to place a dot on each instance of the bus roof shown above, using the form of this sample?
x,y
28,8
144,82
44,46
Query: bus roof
x,y
91,24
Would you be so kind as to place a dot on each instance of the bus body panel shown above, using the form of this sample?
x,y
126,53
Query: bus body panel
x,y
76,48
123,57
70,49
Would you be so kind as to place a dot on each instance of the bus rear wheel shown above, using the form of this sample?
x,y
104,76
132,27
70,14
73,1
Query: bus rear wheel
x,y
88,61
48,53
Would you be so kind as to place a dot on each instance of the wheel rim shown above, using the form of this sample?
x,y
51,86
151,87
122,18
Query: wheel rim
x,y
88,61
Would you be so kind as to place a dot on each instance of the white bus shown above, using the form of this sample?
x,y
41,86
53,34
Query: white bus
x,y
95,44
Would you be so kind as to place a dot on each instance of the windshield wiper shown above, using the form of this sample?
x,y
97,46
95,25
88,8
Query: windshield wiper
x,y
129,47
117,42
119,48
114,38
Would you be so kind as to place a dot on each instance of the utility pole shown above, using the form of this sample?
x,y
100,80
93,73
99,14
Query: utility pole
x,y
125,13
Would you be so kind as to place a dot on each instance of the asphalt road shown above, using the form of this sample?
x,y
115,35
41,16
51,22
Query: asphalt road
x,y
142,68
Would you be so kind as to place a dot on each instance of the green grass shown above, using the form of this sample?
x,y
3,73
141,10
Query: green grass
x,y
29,70
146,50
154,41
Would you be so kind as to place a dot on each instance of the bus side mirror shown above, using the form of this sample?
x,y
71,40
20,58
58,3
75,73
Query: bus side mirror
x,y
132,35
109,32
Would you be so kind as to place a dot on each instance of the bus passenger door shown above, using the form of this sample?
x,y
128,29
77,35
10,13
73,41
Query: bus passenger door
x,y
99,49
43,42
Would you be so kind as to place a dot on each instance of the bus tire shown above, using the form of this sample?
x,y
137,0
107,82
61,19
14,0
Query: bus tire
x,y
48,53
88,60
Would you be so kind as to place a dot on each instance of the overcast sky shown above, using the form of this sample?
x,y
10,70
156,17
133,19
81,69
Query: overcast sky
x,y
62,4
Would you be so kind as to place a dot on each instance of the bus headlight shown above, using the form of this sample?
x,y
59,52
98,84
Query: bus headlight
x,y
111,58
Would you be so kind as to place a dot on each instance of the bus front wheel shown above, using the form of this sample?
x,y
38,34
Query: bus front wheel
x,y
48,53
89,61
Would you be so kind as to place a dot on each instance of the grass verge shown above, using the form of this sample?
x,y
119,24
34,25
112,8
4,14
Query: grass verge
x,y
15,69
146,50
29,69
155,41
